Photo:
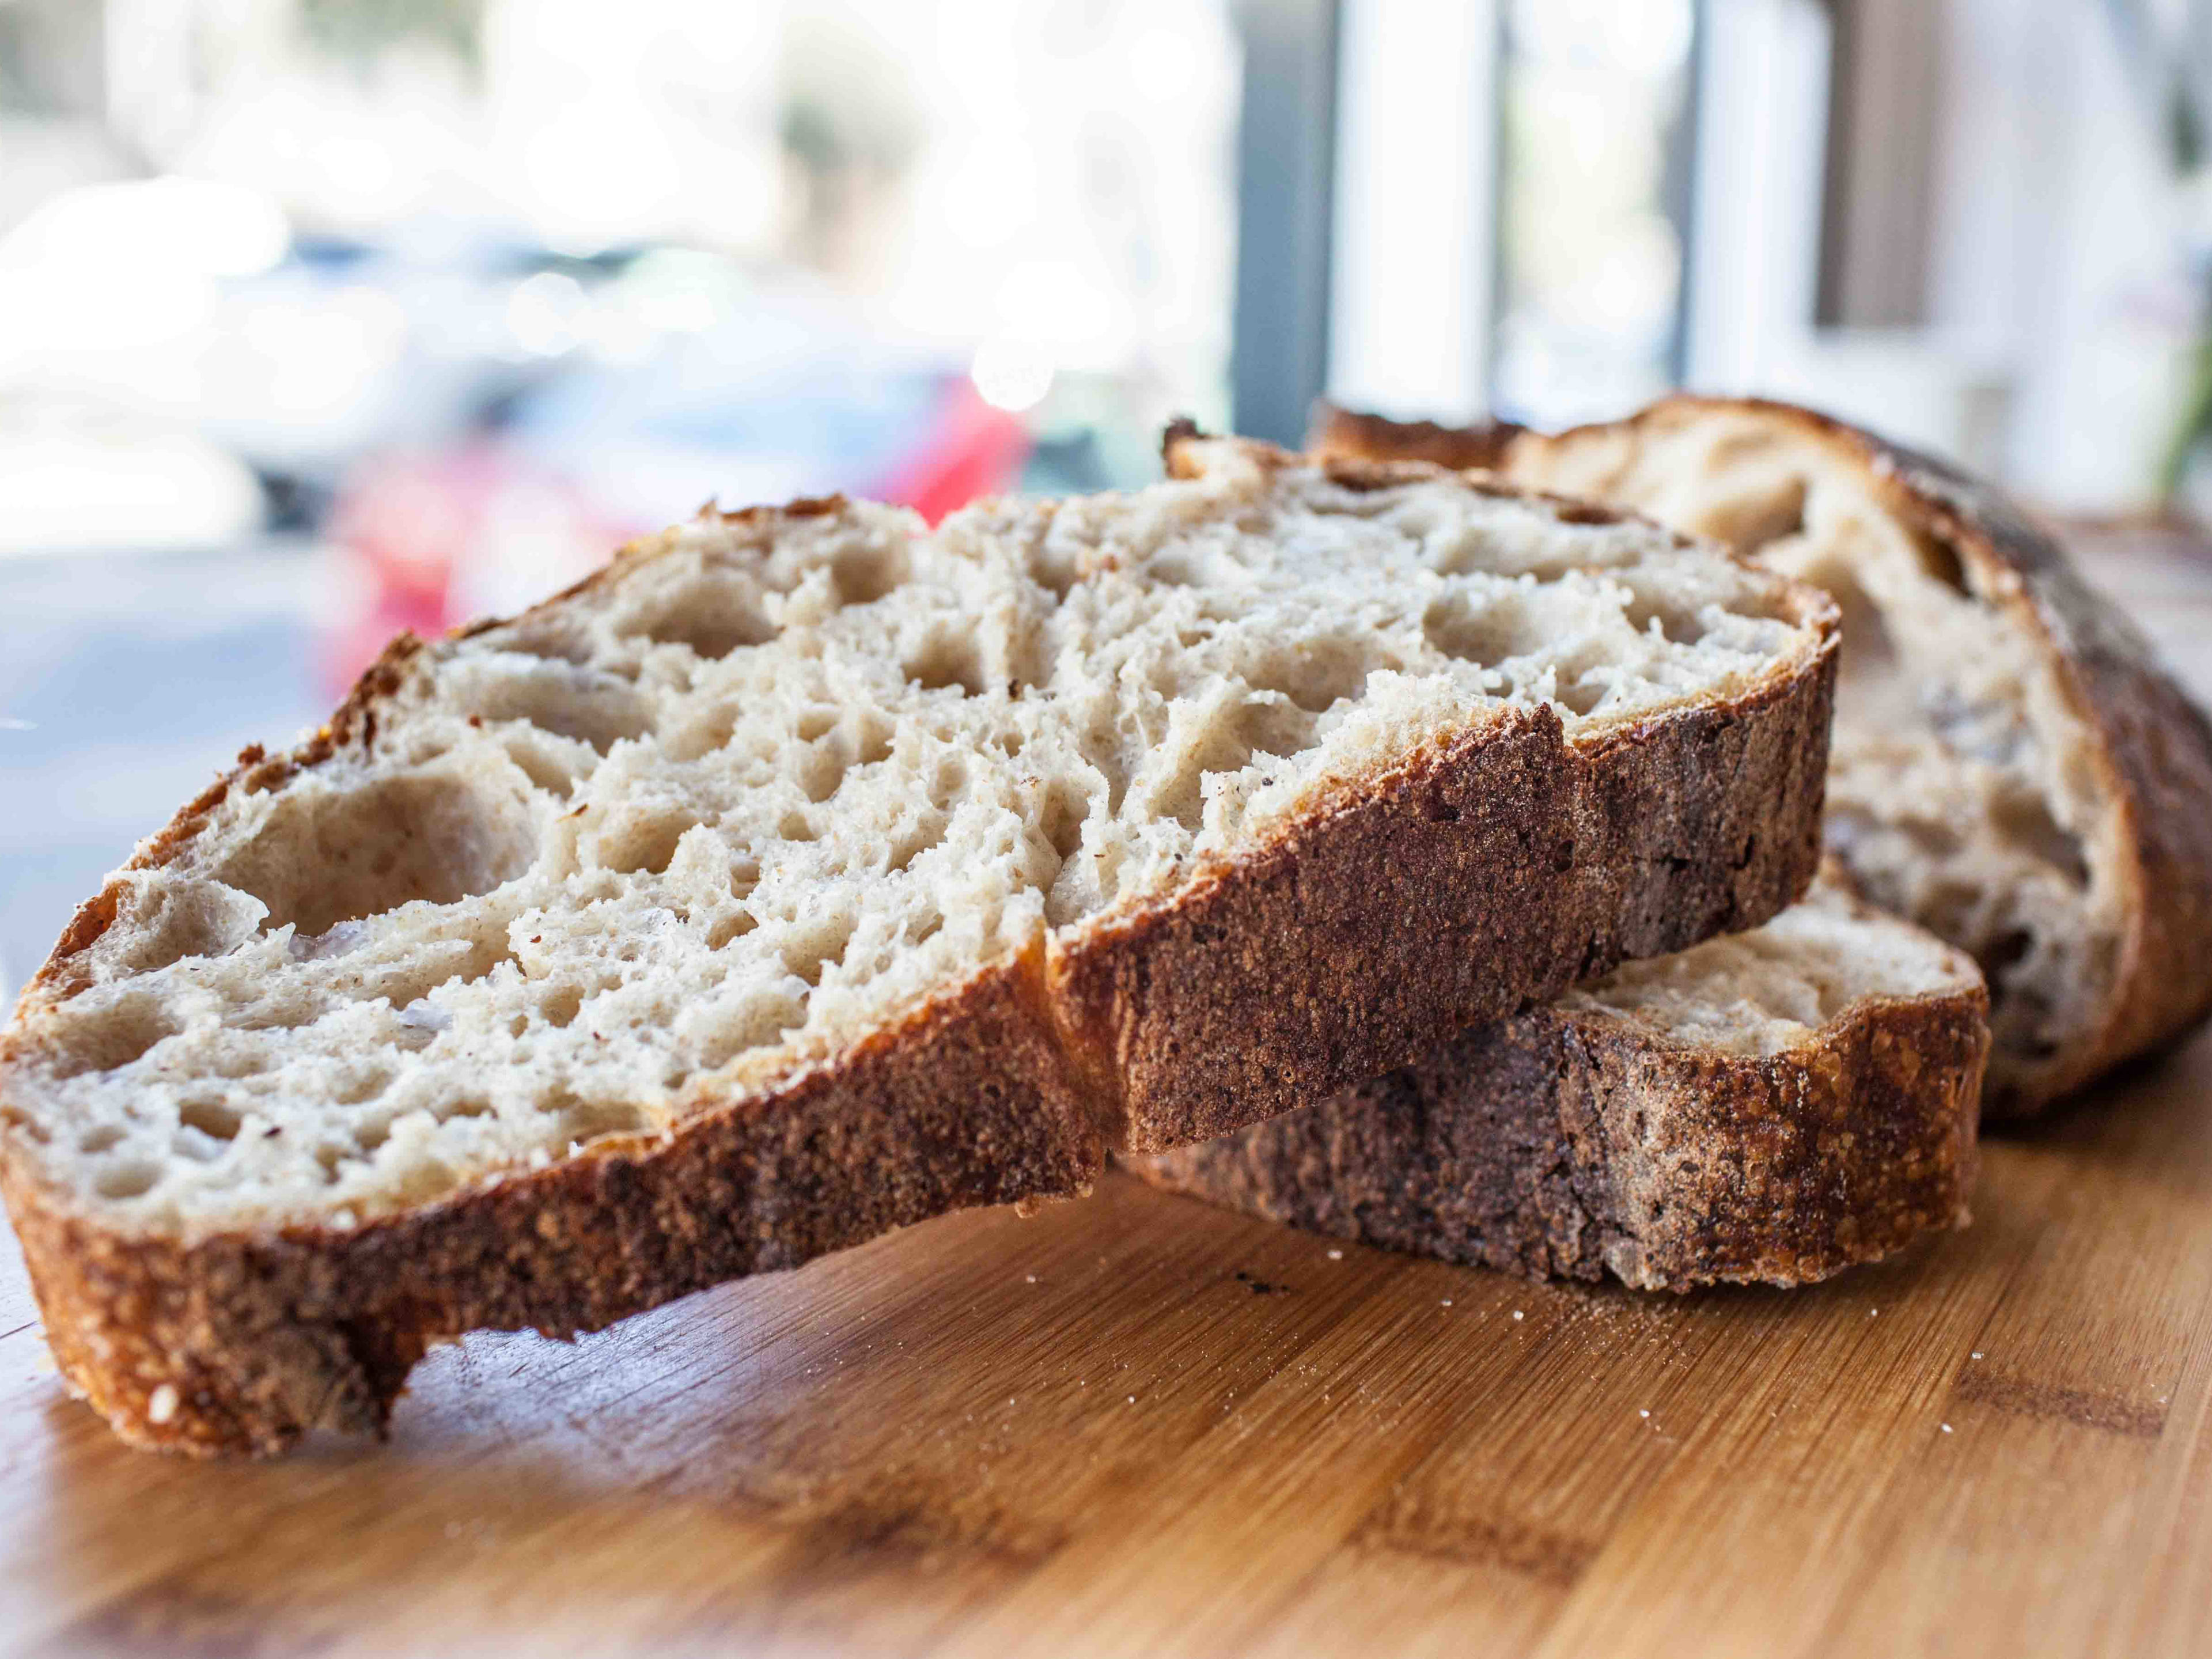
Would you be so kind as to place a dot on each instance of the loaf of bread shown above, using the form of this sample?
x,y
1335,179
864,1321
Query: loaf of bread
x,y
2011,767
807,872
1774,1106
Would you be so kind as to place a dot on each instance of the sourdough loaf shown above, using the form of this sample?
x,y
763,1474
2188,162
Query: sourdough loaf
x,y
2011,767
808,873
1773,1106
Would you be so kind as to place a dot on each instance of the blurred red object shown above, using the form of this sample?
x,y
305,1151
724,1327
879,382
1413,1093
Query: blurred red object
x,y
976,450
426,542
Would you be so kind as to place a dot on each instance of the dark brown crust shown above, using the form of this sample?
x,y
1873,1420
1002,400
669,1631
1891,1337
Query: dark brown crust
x,y
2155,744
1352,435
1567,1144
1512,864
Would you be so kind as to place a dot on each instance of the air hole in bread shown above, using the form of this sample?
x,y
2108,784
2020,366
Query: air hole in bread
x,y
1849,830
949,779
420,1023
587,1120
1065,807
422,1182
106,1039
544,769
862,578
284,1011
132,1180
1583,695
756,1020
212,1118
468,1106
189,919
1484,637
1677,624
1279,727
927,831
641,840
731,928
462,960
2004,953
794,825
1751,519
821,770
1940,559
94,1141
327,855
1319,676
709,620
590,705
1104,755
1227,745
1869,654
705,730
561,1004
359,1086
947,661
2026,822
235,1060
1991,729
1056,569
816,945
551,639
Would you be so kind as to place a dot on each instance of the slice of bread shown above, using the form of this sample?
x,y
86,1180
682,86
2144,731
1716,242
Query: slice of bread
x,y
2011,767
806,872
1775,1106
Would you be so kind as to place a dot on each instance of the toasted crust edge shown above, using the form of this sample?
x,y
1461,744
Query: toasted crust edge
x,y
1694,822
1568,1145
2155,743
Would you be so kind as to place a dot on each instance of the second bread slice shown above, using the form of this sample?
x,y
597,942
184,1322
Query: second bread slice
x,y
1773,1107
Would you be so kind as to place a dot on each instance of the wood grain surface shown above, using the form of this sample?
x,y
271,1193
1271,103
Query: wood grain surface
x,y
1137,1425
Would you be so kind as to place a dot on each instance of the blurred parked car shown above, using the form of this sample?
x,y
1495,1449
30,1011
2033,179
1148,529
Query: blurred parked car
x,y
739,397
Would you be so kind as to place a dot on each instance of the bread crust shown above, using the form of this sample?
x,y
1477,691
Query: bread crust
x,y
1569,1144
1514,863
2154,745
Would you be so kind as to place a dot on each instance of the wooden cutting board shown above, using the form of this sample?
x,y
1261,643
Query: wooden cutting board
x,y
1137,1425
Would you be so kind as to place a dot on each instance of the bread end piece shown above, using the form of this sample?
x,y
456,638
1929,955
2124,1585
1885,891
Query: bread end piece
x,y
1568,1144
2147,753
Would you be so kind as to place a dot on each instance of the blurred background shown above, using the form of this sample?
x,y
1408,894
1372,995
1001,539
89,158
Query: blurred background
x,y
320,318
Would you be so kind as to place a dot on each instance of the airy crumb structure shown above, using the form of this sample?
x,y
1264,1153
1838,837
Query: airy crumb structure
x,y
1776,987
2009,767
808,872
1774,1106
